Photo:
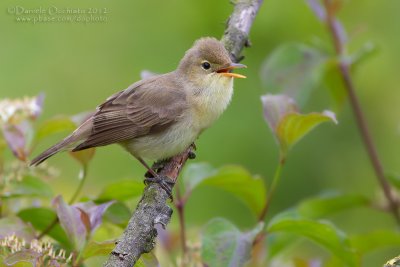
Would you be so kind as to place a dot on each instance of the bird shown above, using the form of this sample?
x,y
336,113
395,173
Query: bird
x,y
157,118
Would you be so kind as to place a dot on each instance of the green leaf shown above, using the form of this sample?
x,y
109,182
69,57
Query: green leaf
x,y
25,258
294,70
195,174
41,218
294,126
93,249
118,213
324,205
368,242
54,125
121,191
333,81
29,186
147,260
276,244
323,233
233,179
288,125
223,244
332,262
238,181
3,145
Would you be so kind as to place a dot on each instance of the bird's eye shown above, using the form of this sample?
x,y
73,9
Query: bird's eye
x,y
205,65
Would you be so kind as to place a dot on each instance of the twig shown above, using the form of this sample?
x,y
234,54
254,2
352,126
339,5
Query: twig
x,y
138,237
82,178
271,192
344,70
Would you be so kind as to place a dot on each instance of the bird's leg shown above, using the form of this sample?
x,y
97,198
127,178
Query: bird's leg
x,y
149,170
165,184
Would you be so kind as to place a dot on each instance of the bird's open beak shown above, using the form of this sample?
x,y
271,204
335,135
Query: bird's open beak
x,y
226,71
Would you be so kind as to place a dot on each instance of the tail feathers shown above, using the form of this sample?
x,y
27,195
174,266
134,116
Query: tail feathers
x,y
51,151
67,144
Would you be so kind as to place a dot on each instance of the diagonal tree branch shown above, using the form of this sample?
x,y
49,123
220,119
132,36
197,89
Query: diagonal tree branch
x,y
139,235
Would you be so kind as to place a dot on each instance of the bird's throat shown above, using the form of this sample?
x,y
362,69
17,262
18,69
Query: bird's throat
x,y
210,101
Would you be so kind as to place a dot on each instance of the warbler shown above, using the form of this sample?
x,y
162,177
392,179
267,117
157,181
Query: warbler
x,y
159,117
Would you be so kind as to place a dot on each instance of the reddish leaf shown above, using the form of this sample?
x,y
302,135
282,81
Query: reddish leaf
x,y
16,138
93,212
79,220
98,249
71,222
85,220
275,107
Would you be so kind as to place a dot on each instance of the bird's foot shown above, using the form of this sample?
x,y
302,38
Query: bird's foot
x,y
164,182
158,165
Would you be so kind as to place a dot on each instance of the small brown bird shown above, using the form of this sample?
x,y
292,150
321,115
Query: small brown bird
x,y
159,117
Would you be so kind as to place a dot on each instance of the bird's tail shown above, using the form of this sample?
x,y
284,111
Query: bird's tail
x,y
51,151
68,143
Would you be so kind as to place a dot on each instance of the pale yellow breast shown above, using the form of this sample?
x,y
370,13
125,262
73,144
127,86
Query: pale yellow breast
x,y
209,103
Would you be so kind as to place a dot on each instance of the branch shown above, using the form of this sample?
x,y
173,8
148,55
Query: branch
x,y
139,235
236,35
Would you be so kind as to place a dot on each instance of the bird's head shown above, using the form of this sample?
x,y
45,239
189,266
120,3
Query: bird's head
x,y
208,62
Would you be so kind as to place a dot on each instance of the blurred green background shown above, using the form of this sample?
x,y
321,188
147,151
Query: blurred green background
x,y
78,65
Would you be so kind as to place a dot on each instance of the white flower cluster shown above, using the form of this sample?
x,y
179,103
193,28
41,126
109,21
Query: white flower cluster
x,y
13,111
43,249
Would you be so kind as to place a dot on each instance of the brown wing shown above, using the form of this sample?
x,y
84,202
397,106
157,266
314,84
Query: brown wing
x,y
146,107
